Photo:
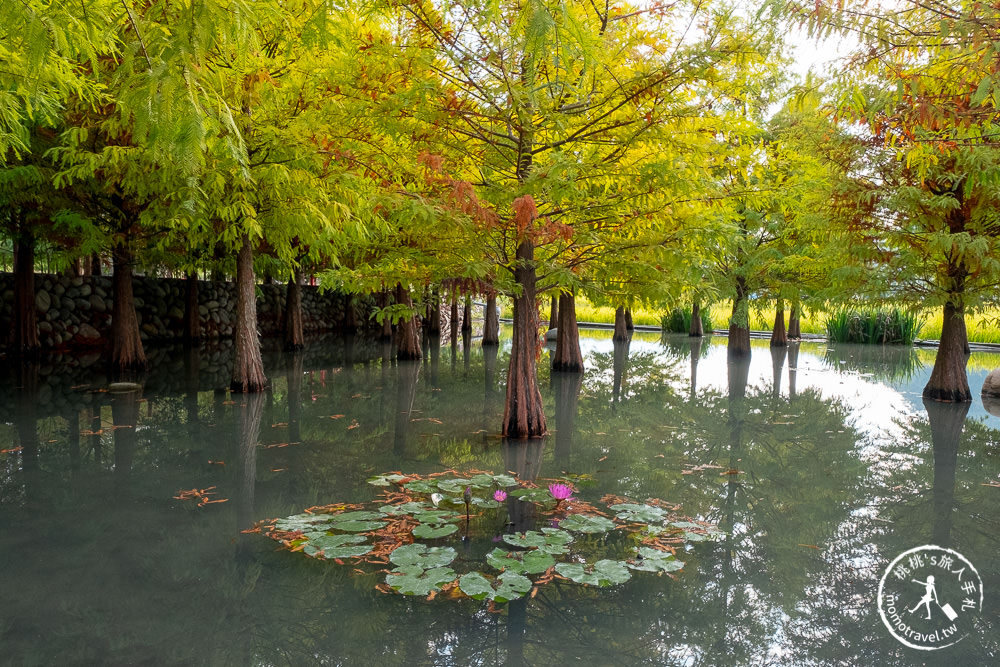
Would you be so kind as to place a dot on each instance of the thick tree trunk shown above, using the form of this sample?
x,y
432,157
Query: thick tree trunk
x,y
407,334
24,332
294,397
250,411
621,328
567,358
739,323
697,328
629,325
125,416
94,265
248,367
294,338
794,329
126,345
793,368
467,314
524,416
491,328
779,337
554,312
695,357
192,318
949,382
407,373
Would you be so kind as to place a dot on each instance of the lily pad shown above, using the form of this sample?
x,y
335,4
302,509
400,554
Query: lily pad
x,y
421,486
522,562
336,546
422,556
549,540
587,523
532,495
654,560
634,513
358,526
413,580
602,573
404,508
476,586
453,485
427,531
304,522
357,516
511,586
386,480
435,516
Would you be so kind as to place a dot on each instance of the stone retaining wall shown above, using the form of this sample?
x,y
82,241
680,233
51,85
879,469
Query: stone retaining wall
x,y
76,311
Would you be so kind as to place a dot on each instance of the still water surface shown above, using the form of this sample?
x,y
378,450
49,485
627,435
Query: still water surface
x,y
840,469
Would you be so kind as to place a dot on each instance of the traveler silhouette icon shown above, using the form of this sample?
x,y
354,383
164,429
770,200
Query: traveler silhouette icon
x,y
930,593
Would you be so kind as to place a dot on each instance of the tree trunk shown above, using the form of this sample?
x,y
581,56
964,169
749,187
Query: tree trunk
x,y
467,314
350,317
491,327
621,328
618,364
125,417
949,382
568,357
407,334
385,333
248,367
24,331
407,374
739,323
794,330
192,318
453,319
292,330
779,337
126,345
629,325
793,368
778,354
523,414
697,328
294,397
248,418
434,313
95,264
554,312
695,357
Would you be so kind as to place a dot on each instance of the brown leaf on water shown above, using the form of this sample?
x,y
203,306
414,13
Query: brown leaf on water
x,y
229,402
995,484
336,416
280,425
603,458
731,471
216,463
11,450
434,421
353,425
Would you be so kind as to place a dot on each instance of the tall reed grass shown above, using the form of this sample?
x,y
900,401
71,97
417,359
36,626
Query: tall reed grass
x,y
887,327
678,320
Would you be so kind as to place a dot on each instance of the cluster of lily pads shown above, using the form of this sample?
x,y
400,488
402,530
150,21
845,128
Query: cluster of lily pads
x,y
407,532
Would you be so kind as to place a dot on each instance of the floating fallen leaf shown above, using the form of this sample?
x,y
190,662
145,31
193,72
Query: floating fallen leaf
x,y
603,458
731,471
986,484
336,416
11,450
278,469
229,402
353,425
216,463
659,456
808,546
434,421
51,441
280,425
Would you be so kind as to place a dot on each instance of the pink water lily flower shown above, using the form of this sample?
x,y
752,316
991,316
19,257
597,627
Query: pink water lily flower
x,y
499,495
560,491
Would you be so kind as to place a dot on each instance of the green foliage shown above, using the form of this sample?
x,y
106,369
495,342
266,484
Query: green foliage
x,y
886,327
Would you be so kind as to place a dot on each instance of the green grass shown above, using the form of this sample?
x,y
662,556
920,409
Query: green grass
x,y
873,326
982,328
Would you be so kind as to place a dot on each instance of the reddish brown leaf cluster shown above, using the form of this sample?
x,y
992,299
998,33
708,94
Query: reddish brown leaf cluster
x,y
202,495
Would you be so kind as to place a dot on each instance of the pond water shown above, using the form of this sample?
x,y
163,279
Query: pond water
x,y
820,462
